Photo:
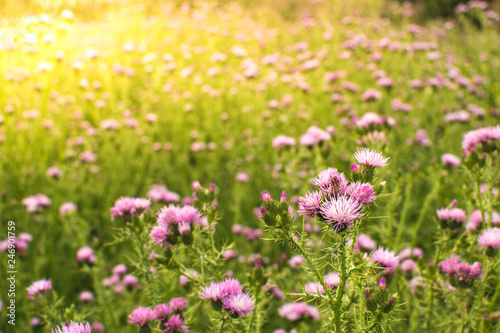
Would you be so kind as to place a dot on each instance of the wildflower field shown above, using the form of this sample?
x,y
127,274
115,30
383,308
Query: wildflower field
x,y
249,166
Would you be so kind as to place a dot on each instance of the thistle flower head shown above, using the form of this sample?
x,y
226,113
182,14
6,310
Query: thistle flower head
x,y
38,288
217,291
162,311
490,238
239,304
370,158
310,204
175,325
142,316
331,182
332,279
314,288
341,212
365,242
73,327
296,311
362,192
453,214
125,207
385,258
463,273
177,305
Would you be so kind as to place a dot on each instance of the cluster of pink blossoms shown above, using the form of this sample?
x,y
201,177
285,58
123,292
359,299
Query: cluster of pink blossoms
x,y
385,258
161,193
39,288
461,272
337,201
170,315
483,138
297,311
73,327
36,202
174,221
229,295
126,207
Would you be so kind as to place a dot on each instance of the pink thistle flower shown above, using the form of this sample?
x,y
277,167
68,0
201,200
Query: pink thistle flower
x,y
130,280
310,204
385,258
36,202
73,327
159,235
332,279
314,288
451,160
454,214
67,207
119,269
142,316
177,305
331,182
481,137
162,312
242,177
239,304
283,141
409,265
126,207
362,192
341,212
161,193
88,156
217,291
54,172
461,271
314,136
371,94
85,296
175,325
459,116
85,254
408,252
490,238
370,158
296,311
296,261
39,288
365,242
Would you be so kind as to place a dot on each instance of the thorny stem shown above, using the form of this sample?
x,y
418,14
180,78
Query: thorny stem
x,y
493,300
212,216
223,322
480,295
311,265
478,196
344,274
430,296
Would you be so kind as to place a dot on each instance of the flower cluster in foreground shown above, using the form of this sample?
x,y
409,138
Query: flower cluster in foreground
x,y
73,327
174,221
338,201
229,295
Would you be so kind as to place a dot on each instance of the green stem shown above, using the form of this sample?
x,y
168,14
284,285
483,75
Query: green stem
x,y
223,322
310,264
479,297
423,212
493,300
341,287
430,296
404,213
478,198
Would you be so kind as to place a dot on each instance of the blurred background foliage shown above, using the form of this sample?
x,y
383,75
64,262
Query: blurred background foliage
x,y
288,9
